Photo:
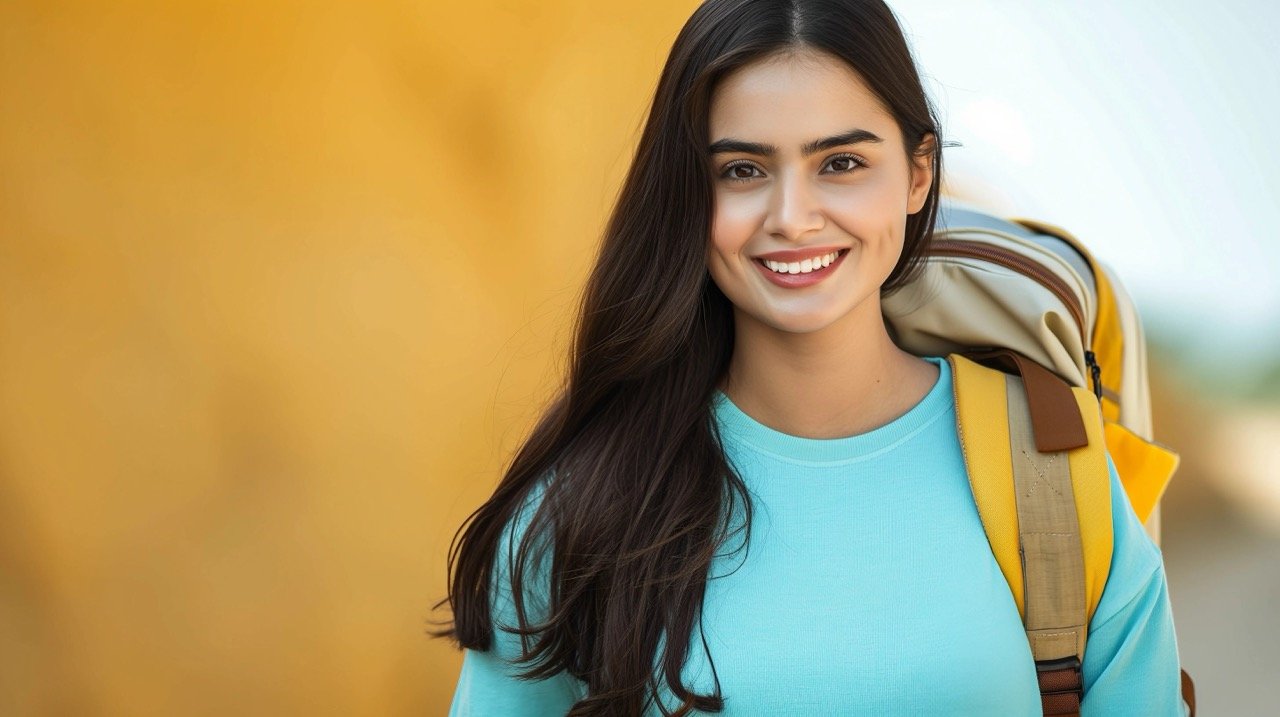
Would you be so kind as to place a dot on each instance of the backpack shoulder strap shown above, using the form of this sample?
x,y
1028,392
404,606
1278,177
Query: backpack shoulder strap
x,y
1046,513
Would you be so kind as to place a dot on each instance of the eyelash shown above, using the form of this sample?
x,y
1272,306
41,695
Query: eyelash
x,y
858,162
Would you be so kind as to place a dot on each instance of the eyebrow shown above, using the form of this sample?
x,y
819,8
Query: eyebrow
x,y
853,136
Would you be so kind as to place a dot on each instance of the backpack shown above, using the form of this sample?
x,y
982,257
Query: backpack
x,y
1049,365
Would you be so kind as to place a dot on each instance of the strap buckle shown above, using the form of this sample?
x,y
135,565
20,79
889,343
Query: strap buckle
x,y
1061,685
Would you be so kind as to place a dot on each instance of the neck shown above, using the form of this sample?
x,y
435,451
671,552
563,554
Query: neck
x,y
842,380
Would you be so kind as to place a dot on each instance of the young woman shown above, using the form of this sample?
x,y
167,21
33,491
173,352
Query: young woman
x,y
747,499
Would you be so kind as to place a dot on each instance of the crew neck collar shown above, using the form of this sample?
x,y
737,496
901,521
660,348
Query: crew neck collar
x,y
738,426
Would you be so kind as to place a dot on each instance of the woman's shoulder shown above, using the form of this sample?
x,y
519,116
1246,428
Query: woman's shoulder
x,y
521,520
1136,561
531,553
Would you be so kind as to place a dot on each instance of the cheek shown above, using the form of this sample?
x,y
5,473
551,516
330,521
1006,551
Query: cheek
x,y
733,225
876,207
881,195
876,217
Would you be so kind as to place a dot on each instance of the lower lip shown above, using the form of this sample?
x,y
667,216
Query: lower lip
x,y
796,281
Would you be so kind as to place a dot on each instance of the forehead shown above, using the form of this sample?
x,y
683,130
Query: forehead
x,y
789,99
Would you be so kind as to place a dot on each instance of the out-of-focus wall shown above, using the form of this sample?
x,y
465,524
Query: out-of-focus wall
x,y
282,284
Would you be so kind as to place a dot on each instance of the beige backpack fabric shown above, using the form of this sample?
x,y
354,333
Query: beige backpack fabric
x,y
1033,288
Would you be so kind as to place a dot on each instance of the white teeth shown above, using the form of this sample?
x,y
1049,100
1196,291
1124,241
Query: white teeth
x,y
802,267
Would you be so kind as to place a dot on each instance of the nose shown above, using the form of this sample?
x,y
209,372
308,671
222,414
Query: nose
x,y
794,208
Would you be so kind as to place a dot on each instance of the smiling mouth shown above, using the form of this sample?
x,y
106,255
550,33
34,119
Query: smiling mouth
x,y
807,266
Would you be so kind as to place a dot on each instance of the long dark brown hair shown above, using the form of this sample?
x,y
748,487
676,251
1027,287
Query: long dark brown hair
x,y
642,492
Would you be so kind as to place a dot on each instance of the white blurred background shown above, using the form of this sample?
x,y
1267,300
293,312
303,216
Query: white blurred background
x,y
1146,125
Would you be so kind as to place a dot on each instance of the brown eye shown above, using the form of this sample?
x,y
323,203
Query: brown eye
x,y
740,172
845,163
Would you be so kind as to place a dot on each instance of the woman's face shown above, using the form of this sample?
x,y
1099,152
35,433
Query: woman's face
x,y
807,164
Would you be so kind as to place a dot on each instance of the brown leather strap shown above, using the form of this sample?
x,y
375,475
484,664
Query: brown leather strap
x,y
1189,693
1060,690
1055,415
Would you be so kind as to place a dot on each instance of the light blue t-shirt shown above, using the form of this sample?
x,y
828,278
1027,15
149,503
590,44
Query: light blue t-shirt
x,y
869,588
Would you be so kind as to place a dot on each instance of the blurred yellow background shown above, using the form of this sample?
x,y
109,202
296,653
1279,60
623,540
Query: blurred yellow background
x,y
282,285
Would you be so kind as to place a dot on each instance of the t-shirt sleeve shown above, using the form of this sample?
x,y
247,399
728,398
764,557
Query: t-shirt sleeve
x,y
1131,657
488,684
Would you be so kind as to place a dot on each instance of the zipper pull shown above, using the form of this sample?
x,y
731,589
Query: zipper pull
x,y
1095,372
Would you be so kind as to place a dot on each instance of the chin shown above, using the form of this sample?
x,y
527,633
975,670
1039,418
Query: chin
x,y
843,311
803,323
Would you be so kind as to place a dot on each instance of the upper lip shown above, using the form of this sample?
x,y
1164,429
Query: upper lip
x,y
793,255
